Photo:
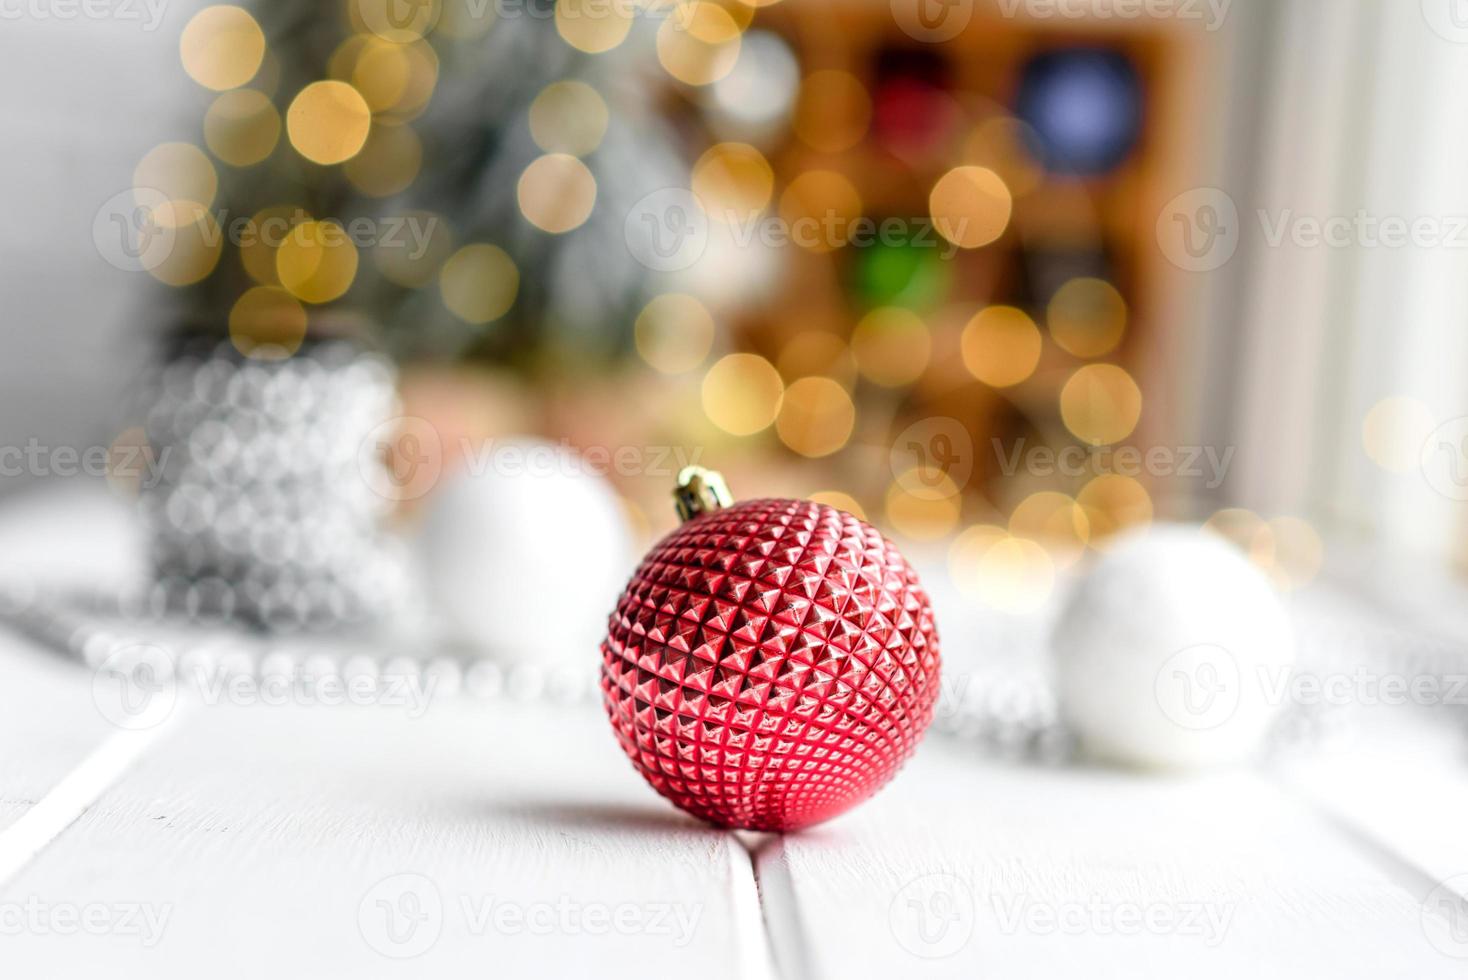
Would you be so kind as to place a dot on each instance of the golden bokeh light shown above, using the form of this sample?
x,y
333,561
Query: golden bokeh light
x,y
242,127
1393,433
381,72
267,323
556,193
568,117
1113,503
1015,575
833,111
197,244
265,232
1299,552
222,47
816,417
742,394
1087,317
1101,404
892,346
1001,346
479,283
698,42
1055,521
397,21
922,517
970,206
317,261
389,162
328,122
818,208
180,172
1247,531
966,554
841,501
674,333
593,26
414,258
733,182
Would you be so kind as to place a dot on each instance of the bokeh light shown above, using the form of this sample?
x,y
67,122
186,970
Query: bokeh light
x,y
267,322
1113,503
925,516
556,193
733,182
674,333
180,172
222,47
1087,317
328,122
265,231
1056,522
1299,552
1101,404
818,207
396,21
317,261
698,42
242,127
389,161
1247,531
841,501
568,117
892,346
742,394
1001,346
1015,575
479,283
965,556
198,242
816,417
970,206
593,26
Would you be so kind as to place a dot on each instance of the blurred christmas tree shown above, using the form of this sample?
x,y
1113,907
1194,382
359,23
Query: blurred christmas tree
x,y
451,178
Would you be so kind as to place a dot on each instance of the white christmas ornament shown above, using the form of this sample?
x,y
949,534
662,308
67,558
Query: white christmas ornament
x,y
1172,651
525,550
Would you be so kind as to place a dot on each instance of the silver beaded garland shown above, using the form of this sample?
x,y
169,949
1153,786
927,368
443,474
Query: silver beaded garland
x,y
264,509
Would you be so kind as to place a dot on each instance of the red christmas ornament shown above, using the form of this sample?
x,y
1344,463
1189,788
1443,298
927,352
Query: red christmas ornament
x,y
772,663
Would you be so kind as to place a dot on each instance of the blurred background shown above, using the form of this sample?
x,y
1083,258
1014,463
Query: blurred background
x,y
1002,276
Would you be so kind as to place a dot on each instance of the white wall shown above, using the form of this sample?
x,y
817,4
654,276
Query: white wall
x,y
80,102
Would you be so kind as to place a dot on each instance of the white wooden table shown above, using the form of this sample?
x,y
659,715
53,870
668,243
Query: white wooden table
x,y
515,841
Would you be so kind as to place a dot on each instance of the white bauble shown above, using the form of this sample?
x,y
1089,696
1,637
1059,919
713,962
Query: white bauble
x,y
525,551
1172,651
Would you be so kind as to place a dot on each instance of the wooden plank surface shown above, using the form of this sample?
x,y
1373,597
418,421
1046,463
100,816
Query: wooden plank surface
x,y
358,842
969,869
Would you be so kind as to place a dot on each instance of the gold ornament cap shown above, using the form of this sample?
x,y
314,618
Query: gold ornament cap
x,y
700,491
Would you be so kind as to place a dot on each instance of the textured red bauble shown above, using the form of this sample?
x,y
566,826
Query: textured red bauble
x,y
771,664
